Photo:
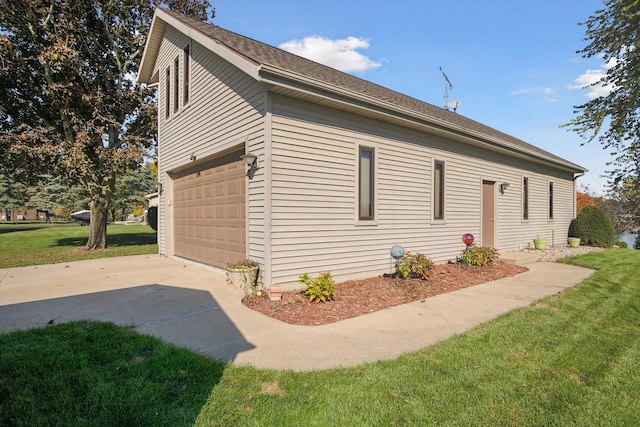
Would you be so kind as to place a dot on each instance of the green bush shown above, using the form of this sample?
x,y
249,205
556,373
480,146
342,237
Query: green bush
x,y
622,244
321,289
594,227
479,255
416,266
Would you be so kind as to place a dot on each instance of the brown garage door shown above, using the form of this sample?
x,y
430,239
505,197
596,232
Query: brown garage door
x,y
209,211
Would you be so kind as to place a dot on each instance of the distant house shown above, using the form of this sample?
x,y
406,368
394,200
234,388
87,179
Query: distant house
x,y
344,168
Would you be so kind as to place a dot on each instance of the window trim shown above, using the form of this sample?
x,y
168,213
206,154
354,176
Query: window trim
x,y
525,198
176,84
372,184
186,75
439,191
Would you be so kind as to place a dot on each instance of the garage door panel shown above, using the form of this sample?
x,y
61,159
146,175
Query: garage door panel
x,y
209,211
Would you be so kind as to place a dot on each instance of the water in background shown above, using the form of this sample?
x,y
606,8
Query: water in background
x,y
630,238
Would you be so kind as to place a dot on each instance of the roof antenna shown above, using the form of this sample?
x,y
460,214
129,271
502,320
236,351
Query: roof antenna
x,y
447,87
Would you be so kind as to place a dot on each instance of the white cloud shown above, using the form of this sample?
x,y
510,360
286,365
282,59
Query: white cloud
x,y
548,92
340,54
590,80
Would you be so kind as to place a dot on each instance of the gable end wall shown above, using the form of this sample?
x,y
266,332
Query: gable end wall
x,y
226,111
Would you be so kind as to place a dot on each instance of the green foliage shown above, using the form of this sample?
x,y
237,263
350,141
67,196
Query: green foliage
x,y
479,255
622,204
13,194
91,121
242,264
622,244
613,33
594,227
320,289
414,265
130,190
52,193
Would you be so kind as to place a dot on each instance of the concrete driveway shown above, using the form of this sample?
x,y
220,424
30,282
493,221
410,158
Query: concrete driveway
x,y
191,305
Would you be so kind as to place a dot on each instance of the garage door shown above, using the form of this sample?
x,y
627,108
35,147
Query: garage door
x,y
209,211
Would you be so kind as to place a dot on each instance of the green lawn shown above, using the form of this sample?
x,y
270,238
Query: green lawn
x,y
33,244
571,359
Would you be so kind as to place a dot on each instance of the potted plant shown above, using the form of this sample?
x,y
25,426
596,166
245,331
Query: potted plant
x,y
574,242
243,275
539,243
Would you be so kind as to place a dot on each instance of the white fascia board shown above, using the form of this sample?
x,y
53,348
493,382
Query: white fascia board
x,y
160,21
229,55
150,52
442,126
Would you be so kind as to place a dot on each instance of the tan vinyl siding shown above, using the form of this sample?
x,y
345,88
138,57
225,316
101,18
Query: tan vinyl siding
x,y
225,111
314,222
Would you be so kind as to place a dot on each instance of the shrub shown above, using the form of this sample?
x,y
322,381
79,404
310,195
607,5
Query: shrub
x,y
321,289
594,227
572,228
479,255
416,266
636,243
622,244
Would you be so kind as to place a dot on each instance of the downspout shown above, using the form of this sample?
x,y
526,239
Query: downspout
x,y
575,194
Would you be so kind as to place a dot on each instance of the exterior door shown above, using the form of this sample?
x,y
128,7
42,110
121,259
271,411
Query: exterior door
x,y
488,231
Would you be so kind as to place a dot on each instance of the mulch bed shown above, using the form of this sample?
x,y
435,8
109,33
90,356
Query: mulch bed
x,y
357,297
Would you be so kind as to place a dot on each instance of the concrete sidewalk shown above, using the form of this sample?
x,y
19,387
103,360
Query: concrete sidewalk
x,y
191,305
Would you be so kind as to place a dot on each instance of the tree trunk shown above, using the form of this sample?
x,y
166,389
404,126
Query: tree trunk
x,y
98,226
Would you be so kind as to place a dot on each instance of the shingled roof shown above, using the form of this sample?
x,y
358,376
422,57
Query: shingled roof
x,y
264,55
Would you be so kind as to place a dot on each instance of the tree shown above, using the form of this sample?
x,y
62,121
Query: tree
x,y
51,193
614,119
70,102
585,199
131,189
13,195
622,204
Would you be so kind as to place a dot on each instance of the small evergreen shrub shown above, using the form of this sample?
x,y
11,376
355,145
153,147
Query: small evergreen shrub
x,y
416,266
622,244
320,289
479,255
594,227
572,228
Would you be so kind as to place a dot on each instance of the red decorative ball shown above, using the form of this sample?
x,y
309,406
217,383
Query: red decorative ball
x,y
467,238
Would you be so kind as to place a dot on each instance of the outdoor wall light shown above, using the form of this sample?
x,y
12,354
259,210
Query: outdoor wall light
x,y
251,161
503,187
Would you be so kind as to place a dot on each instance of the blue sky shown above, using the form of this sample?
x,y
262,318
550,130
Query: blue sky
x,y
513,63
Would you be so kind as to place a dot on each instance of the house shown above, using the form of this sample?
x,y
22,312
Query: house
x,y
344,169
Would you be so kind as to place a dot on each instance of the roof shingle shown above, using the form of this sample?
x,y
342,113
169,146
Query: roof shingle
x,y
262,53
